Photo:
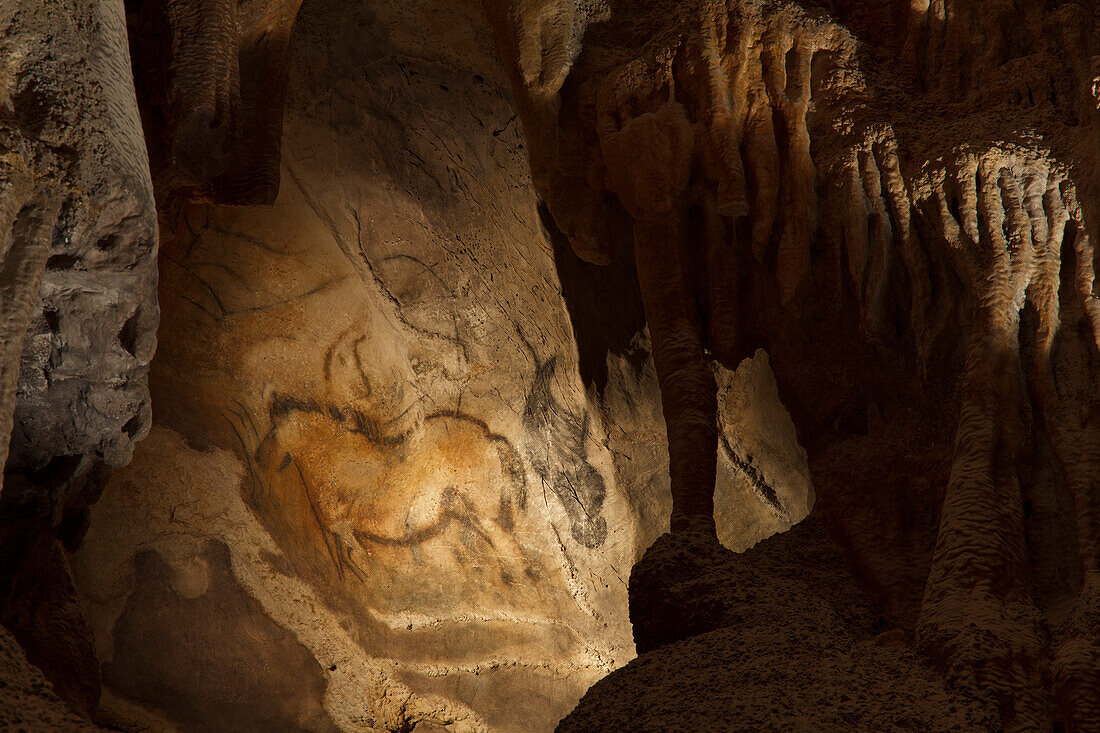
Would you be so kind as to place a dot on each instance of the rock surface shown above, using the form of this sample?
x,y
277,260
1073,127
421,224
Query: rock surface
x,y
375,453
27,701
411,426
211,77
778,638
78,312
83,388
897,201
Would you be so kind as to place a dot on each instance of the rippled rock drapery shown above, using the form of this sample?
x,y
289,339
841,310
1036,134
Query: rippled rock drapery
x,y
898,201
211,78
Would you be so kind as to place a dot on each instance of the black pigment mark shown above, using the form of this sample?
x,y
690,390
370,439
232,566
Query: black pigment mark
x,y
760,484
556,446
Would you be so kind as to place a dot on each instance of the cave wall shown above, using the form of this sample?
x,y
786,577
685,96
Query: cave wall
x,y
72,125
395,476
29,700
410,425
78,315
897,201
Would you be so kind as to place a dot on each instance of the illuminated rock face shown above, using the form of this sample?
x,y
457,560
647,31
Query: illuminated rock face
x,y
897,201
377,460
411,425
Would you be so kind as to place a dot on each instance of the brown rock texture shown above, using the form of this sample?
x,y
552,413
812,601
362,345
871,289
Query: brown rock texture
x,y
895,200
41,609
710,265
79,313
71,116
375,454
777,638
211,77
27,701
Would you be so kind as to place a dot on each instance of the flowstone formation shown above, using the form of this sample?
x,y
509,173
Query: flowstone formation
x,y
897,201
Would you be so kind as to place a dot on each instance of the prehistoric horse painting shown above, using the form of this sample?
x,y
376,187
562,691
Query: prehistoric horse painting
x,y
413,510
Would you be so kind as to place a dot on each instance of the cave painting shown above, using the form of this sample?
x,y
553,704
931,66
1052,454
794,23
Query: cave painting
x,y
389,490
421,512
895,199
433,499
556,447
365,492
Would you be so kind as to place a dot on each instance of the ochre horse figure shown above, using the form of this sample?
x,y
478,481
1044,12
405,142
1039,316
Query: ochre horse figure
x,y
429,495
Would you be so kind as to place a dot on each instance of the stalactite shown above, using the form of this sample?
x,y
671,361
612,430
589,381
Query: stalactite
x,y
211,78
952,243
